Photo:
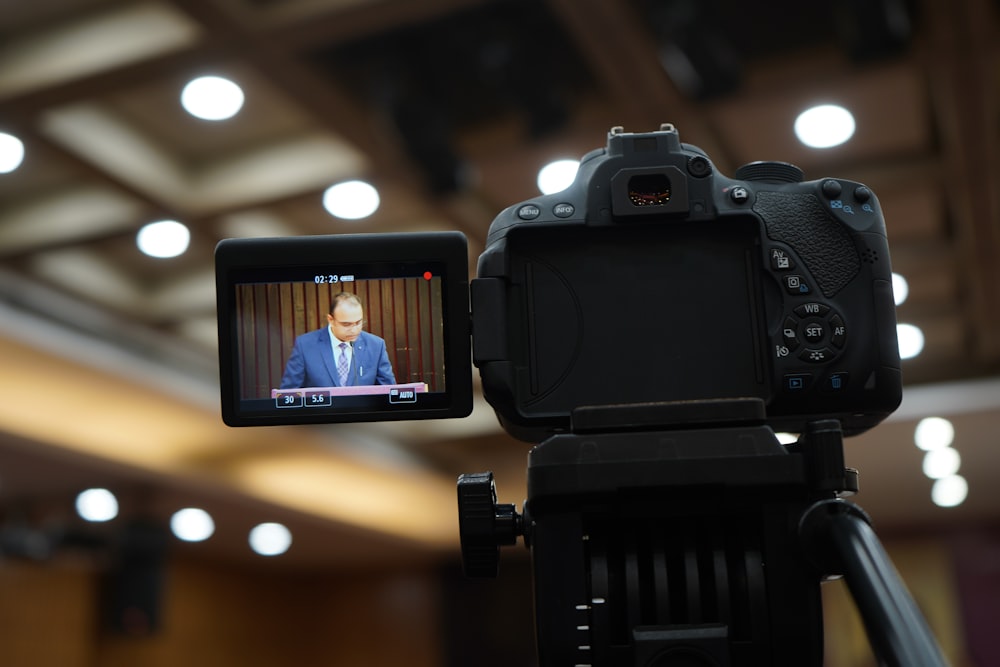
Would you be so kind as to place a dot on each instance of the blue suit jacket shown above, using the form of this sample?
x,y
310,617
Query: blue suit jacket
x,y
311,362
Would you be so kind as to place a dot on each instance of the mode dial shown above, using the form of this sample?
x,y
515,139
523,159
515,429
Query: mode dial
x,y
771,172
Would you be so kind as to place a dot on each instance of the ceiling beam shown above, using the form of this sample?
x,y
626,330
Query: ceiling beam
x,y
626,61
960,56
329,104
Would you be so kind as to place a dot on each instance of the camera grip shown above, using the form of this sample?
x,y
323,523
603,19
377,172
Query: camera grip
x,y
819,239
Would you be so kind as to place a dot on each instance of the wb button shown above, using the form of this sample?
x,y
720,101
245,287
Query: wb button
x,y
402,396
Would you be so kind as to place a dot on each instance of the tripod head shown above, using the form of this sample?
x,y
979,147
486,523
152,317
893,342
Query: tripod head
x,y
676,540
699,543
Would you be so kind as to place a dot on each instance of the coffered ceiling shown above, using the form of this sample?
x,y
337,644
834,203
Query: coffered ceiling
x,y
449,107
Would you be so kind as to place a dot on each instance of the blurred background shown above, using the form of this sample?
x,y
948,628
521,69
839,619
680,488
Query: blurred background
x,y
339,545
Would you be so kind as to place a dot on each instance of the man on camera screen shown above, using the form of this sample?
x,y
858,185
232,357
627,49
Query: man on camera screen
x,y
341,354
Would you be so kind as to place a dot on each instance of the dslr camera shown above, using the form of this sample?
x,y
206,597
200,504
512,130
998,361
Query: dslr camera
x,y
651,326
652,279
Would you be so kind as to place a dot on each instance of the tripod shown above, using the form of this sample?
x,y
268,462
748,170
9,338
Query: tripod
x,y
686,534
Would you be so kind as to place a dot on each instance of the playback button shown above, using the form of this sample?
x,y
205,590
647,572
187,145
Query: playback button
x,y
796,382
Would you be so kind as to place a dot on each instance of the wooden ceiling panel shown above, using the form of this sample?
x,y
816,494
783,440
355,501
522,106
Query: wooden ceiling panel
x,y
109,148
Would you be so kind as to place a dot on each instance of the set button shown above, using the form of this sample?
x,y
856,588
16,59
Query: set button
x,y
814,331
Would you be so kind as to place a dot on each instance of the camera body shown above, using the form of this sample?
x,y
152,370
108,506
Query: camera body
x,y
652,281
655,279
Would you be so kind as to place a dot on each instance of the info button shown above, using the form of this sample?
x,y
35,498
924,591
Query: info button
x,y
563,210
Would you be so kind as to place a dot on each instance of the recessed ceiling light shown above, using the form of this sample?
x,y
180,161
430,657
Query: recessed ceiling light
x,y
212,98
900,288
97,505
911,340
940,463
165,238
950,491
270,539
824,126
934,433
192,524
11,153
351,200
557,176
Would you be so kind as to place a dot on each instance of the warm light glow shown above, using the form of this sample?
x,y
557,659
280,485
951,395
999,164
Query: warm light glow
x,y
824,126
308,474
270,539
944,462
212,98
934,433
900,288
911,340
557,176
353,494
166,238
97,505
11,153
351,200
950,491
192,524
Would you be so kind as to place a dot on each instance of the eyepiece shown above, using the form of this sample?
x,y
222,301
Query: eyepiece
x,y
649,189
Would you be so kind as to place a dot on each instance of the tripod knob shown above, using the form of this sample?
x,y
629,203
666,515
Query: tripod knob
x,y
483,525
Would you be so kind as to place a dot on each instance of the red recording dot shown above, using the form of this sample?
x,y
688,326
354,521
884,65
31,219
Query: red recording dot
x,y
428,275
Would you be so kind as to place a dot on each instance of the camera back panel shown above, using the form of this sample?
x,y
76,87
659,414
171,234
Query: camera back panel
x,y
656,279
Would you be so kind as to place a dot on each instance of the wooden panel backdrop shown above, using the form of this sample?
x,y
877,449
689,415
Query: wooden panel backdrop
x,y
406,312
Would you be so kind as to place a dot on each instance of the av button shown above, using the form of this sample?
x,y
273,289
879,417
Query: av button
x,y
780,260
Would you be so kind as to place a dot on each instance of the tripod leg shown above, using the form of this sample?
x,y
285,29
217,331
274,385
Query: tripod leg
x,y
839,537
